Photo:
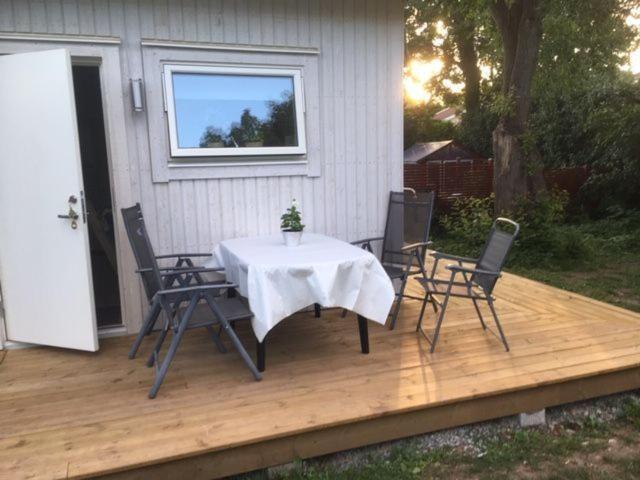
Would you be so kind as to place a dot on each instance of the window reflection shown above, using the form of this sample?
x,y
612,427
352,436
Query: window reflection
x,y
234,111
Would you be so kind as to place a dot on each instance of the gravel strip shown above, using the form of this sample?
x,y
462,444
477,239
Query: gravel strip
x,y
470,439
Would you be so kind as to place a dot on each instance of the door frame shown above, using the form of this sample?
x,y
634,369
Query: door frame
x,y
104,53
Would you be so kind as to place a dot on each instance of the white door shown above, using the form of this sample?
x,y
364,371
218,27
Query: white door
x,y
45,269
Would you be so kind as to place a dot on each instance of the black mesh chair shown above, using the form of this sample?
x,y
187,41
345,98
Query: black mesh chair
x,y
405,240
185,298
479,278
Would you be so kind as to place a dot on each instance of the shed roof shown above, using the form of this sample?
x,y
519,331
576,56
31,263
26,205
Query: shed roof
x,y
421,150
427,151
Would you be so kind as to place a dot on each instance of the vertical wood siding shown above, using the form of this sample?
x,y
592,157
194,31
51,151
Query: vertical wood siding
x,y
360,65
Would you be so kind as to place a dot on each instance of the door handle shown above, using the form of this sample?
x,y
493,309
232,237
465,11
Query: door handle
x,y
73,216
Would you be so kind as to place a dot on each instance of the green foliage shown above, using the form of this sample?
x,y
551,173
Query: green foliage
x,y
544,238
631,412
281,121
278,128
419,126
248,130
405,462
212,136
585,110
469,222
476,128
291,220
505,453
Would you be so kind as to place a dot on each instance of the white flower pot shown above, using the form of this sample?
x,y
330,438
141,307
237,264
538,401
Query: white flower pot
x,y
291,239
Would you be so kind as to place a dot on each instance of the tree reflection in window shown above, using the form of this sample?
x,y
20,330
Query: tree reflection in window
x,y
278,129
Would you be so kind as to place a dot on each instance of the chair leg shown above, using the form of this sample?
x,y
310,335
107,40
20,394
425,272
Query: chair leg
x,y
156,349
234,338
216,339
396,310
424,305
434,304
241,350
439,324
147,326
475,304
173,348
317,309
495,317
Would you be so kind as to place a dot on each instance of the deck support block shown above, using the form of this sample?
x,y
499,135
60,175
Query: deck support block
x,y
533,419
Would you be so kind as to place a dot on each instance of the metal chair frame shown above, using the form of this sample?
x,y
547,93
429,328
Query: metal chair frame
x,y
167,297
478,282
412,254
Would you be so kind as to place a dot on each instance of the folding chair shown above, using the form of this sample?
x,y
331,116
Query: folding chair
x,y
132,216
409,218
478,280
169,289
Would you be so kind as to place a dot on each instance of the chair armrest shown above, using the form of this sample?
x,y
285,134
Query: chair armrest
x,y
173,270
414,246
478,271
196,288
166,271
184,255
457,258
367,240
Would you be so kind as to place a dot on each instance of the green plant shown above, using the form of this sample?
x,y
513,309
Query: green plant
x,y
545,239
291,220
469,221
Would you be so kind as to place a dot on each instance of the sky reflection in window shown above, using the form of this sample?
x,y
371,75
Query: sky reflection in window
x,y
234,111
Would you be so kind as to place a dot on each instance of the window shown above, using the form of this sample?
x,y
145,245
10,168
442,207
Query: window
x,y
234,111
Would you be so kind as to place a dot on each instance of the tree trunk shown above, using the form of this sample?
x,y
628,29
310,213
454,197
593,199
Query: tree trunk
x,y
463,35
517,172
512,175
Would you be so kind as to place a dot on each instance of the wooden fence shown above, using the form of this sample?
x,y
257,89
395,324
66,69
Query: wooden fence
x,y
452,179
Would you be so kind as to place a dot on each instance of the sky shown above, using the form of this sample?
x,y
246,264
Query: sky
x,y
204,100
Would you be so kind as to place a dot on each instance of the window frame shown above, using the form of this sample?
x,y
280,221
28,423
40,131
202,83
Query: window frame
x,y
299,100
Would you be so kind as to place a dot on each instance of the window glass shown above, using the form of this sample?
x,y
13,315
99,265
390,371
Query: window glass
x,y
219,110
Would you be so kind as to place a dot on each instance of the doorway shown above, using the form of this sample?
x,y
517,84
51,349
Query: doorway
x,y
97,194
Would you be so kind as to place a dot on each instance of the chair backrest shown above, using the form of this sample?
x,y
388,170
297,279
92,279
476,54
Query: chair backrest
x,y
142,249
495,253
408,221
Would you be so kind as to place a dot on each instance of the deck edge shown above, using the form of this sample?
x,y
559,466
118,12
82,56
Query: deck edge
x,y
241,459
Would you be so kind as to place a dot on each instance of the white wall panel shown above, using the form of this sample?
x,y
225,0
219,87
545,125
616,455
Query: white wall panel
x,y
360,109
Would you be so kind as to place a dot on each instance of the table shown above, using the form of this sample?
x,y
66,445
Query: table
x,y
279,280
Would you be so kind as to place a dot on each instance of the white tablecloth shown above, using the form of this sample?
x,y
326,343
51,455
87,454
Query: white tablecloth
x,y
280,280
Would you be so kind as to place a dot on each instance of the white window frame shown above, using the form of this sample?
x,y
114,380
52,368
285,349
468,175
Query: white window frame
x,y
177,152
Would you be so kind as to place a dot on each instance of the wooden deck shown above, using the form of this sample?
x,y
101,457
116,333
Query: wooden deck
x,y
68,414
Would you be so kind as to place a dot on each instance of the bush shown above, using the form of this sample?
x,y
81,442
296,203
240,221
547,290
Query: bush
x,y
469,221
544,238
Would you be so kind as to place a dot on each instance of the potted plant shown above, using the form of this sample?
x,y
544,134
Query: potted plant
x,y
291,225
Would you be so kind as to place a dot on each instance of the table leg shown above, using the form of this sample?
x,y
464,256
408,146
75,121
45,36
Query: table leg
x,y
316,307
364,334
261,351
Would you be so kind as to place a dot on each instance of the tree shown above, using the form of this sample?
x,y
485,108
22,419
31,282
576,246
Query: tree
x,y
211,136
582,48
419,125
517,174
460,48
280,126
248,130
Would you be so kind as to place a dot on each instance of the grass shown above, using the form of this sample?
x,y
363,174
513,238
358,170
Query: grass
x,y
590,450
599,259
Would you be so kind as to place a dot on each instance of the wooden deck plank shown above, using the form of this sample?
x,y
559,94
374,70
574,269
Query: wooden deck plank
x,y
78,414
